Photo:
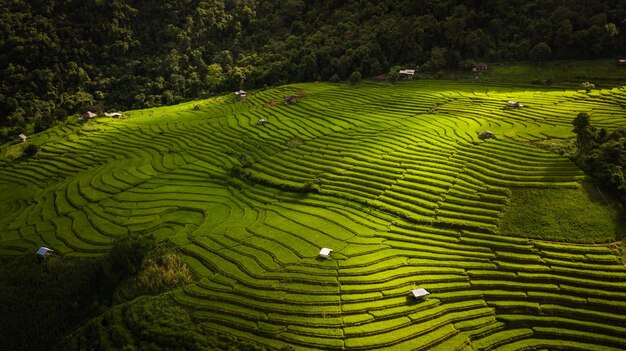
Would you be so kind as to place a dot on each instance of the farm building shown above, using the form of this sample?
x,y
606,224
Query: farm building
x,y
290,99
21,138
113,115
486,134
325,252
406,73
88,115
420,293
621,62
241,94
480,67
261,121
513,104
43,253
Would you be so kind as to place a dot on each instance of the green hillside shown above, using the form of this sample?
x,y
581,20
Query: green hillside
x,y
393,178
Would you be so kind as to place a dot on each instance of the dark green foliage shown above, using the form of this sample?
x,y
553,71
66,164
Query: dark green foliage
x,y
394,74
62,57
355,77
41,302
31,150
125,257
151,323
541,52
602,155
585,134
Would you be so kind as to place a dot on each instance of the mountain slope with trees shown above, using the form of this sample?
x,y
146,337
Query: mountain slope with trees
x,y
62,57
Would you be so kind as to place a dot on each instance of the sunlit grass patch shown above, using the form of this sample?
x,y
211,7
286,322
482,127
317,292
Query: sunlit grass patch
x,y
570,215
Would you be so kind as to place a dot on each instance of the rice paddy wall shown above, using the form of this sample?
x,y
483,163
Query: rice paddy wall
x,y
393,178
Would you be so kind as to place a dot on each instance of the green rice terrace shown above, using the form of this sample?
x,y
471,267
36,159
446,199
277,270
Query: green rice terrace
x,y
517,250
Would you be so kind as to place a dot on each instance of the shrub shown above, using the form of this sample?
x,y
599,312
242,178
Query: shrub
x,y
394,74
161,269
31,150
125,257
355,77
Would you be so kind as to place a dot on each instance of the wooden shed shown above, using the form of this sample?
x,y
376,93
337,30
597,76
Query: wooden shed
x,y
513,104
88,115
406,73
291,99
43,253
480,67
486,134
21,138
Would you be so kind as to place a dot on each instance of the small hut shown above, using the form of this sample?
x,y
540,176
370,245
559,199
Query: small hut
x,y
290,99
513,104
406,73
43,253
261,121
325,252
420,293
88,115
21,138
621,62
486,134
480,67
241,94
113,115
196,108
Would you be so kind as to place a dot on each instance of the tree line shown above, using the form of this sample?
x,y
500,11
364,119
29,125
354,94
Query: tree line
x,y
602,155
61,57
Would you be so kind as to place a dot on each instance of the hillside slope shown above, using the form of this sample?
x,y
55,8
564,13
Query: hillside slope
x,y
394,179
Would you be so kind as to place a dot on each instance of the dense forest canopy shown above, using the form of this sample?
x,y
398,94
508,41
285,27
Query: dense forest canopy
x,y
61,57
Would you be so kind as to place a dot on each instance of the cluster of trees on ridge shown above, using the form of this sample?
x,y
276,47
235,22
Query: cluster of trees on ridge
x,y
61,57
602,155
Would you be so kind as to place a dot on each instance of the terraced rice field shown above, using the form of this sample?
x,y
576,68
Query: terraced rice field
x,y
408,197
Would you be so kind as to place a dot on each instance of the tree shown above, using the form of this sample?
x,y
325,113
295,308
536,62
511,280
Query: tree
x,y
31,150
540,52
587,86
437,58
394,74
355,77
585,135
214,77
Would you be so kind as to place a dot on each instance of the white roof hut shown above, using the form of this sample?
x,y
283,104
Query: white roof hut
x,y
513,104
325,252
241,94
21,138
44,251
408,73
419,293
88,115
261,121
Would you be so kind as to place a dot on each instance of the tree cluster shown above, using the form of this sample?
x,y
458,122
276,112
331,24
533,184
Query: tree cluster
x,y
66,56
602,155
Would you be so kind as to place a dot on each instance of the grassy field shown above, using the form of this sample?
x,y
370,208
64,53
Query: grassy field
x,y
551,74
393,178
575,215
